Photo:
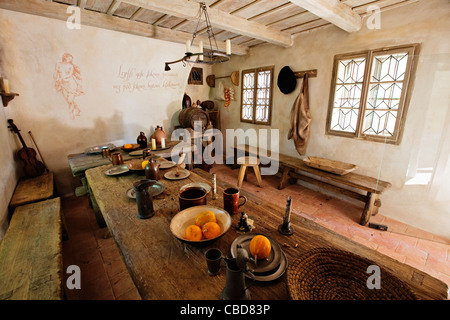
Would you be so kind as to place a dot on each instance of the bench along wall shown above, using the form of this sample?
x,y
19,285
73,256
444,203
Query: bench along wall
x,y
116,87
419,202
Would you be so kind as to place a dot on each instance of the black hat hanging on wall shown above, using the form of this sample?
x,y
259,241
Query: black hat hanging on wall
x,y
286,80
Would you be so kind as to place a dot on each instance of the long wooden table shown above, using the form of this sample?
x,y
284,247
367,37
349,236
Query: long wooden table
x,y
164,268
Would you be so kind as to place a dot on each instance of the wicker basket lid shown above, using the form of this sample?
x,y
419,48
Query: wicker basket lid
x,y
332,274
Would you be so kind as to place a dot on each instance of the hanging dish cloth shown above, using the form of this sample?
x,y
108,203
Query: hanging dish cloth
x,y
301,119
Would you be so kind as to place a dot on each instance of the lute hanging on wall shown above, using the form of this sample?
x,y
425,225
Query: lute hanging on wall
x,y
32,166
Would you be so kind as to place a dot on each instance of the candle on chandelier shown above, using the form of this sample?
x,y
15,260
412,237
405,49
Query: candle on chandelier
x,y
200,49
228,46
188,45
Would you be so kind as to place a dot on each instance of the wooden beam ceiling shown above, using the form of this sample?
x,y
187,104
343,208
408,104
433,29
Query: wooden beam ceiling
x,y
339,14
58,11
189,10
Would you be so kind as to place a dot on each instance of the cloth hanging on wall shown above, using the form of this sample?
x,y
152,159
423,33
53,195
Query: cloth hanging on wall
x,y
301,119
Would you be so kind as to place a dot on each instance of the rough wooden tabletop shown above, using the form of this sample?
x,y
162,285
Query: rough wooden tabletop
x,y
162,267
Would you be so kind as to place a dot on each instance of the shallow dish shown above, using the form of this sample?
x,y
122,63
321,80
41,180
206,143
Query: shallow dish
x,y
171,175
166,164
114,171
135,165
268,264
154,190
134,147
98,149
185,218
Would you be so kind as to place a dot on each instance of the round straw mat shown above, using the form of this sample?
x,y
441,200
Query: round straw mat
x,y
331,274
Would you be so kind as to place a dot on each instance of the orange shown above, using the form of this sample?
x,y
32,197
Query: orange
x,y
193,233
144,163
128,146
260,247
211,230
204,217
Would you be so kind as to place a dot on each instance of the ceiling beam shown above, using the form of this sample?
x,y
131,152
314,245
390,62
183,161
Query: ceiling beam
x,y
189,10
58,11
334,11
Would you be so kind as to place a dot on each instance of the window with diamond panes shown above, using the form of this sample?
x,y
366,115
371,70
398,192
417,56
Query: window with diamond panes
x,y
256,98
369,94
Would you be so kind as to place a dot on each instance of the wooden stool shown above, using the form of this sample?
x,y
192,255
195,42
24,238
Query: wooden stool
x,y
245,162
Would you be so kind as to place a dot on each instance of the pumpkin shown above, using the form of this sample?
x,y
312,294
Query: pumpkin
x,y
193,233
260,247
211,230
204,217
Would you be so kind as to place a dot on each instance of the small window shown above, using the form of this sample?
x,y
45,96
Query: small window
x,y
369,94
256,95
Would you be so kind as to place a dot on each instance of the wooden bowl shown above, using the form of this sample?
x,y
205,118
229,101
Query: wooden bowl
x,y
186,217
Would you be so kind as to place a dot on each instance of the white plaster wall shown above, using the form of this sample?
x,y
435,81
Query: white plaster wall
x,y
425,22
112,110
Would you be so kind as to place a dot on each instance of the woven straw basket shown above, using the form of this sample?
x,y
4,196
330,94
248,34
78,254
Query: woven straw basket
x,y
331,274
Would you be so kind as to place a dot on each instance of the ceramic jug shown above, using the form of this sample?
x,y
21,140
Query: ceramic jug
x,y
142,140
158,135
144,198
152,170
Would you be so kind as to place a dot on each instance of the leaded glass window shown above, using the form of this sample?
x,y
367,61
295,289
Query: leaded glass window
x,y
369,94
256,98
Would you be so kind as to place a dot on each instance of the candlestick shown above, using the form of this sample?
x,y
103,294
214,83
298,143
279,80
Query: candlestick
x,y
214,187
163,143
153,144
286,228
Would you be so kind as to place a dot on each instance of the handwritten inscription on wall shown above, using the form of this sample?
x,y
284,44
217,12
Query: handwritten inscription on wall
x,y
132,80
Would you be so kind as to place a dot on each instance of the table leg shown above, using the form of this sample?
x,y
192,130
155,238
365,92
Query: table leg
x,y
371,208
284,178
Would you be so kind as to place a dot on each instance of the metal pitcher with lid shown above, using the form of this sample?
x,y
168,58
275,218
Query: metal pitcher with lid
x,y
235,288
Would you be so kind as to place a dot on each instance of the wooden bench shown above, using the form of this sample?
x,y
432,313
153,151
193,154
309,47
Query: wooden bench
x,y
295,168
31,253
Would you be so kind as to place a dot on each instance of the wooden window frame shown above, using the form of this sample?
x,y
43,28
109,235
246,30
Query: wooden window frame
x,y
255,71
408,83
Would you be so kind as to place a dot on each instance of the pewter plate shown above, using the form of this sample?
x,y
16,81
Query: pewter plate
x,y
183,174
154,190
262,265
98,149
114,171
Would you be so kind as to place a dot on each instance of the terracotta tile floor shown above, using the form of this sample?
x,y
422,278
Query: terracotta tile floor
x,y
105,277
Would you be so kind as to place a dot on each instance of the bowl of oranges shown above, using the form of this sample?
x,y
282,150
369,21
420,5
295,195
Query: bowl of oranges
x,y
200,225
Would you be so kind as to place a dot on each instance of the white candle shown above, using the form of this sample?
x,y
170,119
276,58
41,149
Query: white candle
x,y
228,45
188,45
153,144
6,85
200,49
163,143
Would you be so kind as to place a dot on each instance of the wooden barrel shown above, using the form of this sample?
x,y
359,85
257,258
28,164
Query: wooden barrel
x,y
188,116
